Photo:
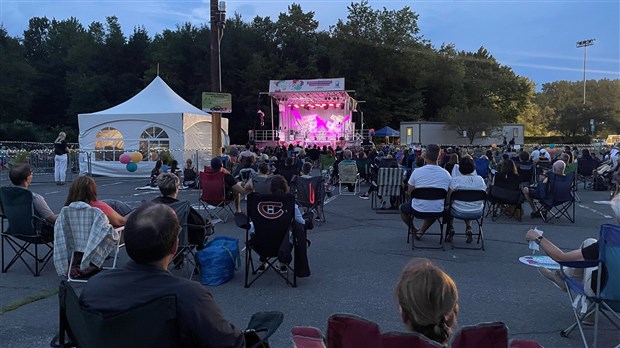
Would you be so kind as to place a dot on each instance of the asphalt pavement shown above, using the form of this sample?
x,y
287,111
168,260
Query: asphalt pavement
x,y
355,259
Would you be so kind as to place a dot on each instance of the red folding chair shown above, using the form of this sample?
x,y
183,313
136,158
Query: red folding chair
x,y
213,197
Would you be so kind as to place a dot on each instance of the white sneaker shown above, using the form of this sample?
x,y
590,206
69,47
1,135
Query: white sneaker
x,y
364,196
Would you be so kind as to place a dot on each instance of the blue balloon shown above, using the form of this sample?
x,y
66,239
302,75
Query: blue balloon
x,y
552,146
132,167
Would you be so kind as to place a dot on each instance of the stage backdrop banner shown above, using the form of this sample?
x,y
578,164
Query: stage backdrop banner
x,y
318,85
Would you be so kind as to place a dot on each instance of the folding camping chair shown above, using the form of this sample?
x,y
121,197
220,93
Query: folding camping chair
x,y
585,171
153,324
214,194
347,175
272,217
186,253
504,202
351,331
389,187
311,195
526,172
16,205
606,297
488,335
83,229
469,196
482,167
556,197
428,194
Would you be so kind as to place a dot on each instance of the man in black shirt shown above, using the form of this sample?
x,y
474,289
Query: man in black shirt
x,y
151,240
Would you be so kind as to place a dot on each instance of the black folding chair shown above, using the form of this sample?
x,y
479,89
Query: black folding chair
x,y
16,205
558,198
504,202
469,196
153,324
311,194
526,172
585,171
186,253
272,217
428,194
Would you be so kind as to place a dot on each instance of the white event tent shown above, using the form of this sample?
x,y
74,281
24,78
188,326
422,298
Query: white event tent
x,y
153,121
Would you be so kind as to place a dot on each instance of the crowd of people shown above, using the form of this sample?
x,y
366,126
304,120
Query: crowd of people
x,y
427,296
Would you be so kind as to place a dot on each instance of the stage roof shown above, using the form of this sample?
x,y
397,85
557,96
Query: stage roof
x,y
311,97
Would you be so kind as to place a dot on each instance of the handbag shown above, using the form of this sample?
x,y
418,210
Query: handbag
x,y
219,260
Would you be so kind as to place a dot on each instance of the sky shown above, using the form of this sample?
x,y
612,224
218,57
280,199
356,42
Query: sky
x,y
536,38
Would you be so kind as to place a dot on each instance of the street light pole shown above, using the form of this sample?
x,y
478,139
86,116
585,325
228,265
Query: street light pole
x,y
218,17
585,44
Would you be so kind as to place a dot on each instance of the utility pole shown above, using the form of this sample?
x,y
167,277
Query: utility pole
x,y
585,44
218,18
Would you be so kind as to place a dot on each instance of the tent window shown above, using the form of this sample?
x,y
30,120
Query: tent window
x,y
154,141
109,144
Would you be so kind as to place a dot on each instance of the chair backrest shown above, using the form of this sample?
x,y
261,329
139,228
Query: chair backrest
x,y
429,193
347,172
570,168
289,172
350,331
468,195
262,184
213,187
153,324
390,181
272,216
310,191
181,209
17,207
526,171
560,188
482,166
326,161
609,255
585,166
502,195
488,335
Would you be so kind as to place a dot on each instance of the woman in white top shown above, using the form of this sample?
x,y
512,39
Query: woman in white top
x,y
467,180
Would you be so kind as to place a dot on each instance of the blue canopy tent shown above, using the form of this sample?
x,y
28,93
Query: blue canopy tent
x,y
387,132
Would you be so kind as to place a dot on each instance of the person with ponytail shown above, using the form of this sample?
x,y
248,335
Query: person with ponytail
x,y
60,158
428,300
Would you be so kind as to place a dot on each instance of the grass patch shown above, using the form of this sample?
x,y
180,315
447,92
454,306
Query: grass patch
x,y
26,300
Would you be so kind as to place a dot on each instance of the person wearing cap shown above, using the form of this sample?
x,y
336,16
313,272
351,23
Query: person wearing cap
x,y
233,188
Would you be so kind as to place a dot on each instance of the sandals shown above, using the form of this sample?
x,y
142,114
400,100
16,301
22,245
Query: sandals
x,y
470,235
449,234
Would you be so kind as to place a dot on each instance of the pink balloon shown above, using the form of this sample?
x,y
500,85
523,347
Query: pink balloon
x,y
125,158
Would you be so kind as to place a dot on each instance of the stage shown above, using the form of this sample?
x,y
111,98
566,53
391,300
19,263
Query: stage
x,y
308,112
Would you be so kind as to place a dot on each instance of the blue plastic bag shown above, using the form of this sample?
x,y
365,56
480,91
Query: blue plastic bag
x,y
219,260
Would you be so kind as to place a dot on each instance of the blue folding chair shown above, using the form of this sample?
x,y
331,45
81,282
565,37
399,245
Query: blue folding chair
x,y
606,300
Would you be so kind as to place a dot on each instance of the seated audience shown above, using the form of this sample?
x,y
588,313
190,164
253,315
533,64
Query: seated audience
x,y
151,240
155,173
430,175
508,176
189,174
84,189
261,182
232,187
532,193
168,184
428,300
468,180
589,250
21,176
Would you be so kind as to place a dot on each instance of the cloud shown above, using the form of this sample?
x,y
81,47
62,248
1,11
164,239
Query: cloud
x,y
562,68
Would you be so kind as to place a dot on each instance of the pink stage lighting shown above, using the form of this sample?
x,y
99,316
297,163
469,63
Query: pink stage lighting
x,y
331,104
296,106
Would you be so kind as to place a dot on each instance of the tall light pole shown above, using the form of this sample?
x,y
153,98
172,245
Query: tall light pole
x,y
585,44
218,18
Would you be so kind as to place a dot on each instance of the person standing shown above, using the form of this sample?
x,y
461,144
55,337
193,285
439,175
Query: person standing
x,y
60,160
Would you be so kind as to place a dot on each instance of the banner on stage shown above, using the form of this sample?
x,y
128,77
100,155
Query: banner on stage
x,y
318,85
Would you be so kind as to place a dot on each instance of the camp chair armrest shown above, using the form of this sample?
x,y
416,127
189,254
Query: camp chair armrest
x,y
579,264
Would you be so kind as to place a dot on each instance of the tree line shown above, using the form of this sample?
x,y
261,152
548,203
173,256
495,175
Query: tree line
x,y
60,68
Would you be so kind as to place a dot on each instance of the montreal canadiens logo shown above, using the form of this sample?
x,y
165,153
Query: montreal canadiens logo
x,y
270,210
